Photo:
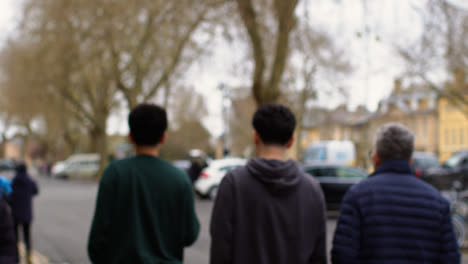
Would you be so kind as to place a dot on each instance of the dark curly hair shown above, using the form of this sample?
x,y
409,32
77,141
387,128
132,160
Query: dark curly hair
x,y
147,123
274,124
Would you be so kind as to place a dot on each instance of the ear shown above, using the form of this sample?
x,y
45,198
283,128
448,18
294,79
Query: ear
x,y
411,161
376,159
257,139
290,142
163,138
130,138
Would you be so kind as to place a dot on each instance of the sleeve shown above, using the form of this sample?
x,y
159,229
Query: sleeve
x,y
346,242
98,241
449,248
221,228
320,251
191,225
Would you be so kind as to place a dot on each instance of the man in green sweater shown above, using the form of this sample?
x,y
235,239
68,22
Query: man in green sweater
x,y
144,209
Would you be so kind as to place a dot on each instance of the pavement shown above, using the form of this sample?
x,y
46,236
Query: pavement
x,y
63,213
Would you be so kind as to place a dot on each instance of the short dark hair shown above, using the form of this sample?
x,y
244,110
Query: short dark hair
x,y
147,123
274,124
393,141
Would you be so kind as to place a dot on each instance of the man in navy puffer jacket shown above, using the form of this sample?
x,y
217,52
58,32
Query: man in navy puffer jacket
x,y
392,216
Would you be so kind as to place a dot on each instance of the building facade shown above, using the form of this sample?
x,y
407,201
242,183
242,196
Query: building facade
x,y
415,107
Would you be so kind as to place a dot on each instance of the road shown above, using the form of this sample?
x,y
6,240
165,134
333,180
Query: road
x,y
63,213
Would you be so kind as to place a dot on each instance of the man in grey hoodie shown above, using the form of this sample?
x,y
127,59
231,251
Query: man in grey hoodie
x,y
269,211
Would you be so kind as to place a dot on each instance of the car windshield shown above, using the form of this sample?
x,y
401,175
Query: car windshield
x,y
349,173
425,161
431,162
317,153
454,161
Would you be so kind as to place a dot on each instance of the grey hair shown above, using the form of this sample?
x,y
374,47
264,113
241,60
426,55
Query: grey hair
x,y
394,141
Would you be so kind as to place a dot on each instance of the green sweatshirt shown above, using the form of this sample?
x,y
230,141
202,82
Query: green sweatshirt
x,y
144,213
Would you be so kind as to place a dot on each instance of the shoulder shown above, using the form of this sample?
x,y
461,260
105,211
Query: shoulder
x,y
237,176
310,181
388,183
175,172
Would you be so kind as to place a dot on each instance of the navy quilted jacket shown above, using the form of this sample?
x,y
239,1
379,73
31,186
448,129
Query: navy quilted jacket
x,y
394,217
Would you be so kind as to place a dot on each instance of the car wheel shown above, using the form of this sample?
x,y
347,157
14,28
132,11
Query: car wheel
x,y
213,193
62,176
459,229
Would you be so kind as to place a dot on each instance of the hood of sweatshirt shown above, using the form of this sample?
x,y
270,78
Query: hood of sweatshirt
x,y
277,175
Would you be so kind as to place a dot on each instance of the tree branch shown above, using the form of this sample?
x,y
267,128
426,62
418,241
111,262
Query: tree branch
x,y
249,18
169,70
286,22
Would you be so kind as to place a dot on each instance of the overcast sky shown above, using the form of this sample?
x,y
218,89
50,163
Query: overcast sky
x,y
375,62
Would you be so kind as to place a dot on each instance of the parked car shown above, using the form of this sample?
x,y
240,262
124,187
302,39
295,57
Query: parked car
x,y
422,162
335,180
77,166
453,169
210,178
7,165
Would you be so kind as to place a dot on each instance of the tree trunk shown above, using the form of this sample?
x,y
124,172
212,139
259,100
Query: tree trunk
x,y
3,146
98,144
299,150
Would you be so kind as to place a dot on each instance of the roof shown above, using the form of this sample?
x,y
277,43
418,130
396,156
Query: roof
x,y
316,117
409,100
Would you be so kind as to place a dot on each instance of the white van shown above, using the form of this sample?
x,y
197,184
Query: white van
x,y
77,166
333,151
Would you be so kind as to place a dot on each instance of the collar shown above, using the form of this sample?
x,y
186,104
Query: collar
x,y
396,166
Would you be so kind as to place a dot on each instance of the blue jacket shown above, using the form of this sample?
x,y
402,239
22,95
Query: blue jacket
x,y
24,188
5,187
394,217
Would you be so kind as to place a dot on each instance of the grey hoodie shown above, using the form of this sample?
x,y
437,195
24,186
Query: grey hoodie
x,y
269,212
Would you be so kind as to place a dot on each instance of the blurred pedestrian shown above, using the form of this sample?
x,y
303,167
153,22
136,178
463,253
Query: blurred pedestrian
x,y
270,211
392,216
197,164
145,209
8,248
5,187
24,188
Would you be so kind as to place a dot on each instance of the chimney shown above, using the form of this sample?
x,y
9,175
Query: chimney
x,y
397,86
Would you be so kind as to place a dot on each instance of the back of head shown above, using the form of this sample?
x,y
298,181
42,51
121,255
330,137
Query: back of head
x,y
21,167
394,141
274,123
147,123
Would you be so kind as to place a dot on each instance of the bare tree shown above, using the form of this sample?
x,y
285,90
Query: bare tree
x,y
270,62
147,52
314,56
88,52
441,49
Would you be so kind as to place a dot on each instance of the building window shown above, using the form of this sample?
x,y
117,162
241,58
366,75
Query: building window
x,y
447,137
415,126
424,127
462,139
454,136
448,107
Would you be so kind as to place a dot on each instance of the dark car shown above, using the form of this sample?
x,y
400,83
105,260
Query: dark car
x,y
7,165
422,162
454,169
335,180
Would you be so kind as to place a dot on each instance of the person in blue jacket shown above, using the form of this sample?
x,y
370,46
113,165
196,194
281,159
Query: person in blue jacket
x,y
24,188
5,187
8,249
393,216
